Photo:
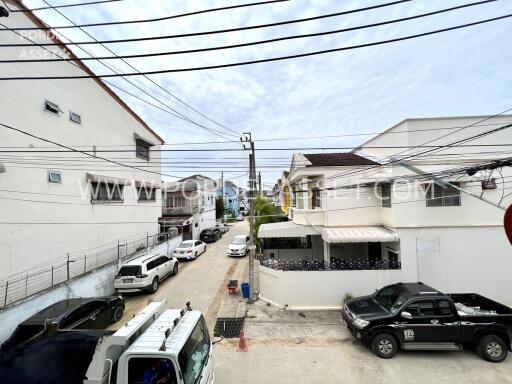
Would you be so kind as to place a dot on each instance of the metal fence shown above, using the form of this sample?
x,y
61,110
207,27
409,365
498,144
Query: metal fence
x,y
334,265
71,265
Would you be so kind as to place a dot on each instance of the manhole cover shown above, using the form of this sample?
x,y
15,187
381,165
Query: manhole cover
x,y
228,327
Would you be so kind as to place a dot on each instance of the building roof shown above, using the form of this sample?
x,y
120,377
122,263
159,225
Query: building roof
x,y
195,177
41,24
336,159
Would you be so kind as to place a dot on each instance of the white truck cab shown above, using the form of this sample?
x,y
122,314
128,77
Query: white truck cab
x,y
156,346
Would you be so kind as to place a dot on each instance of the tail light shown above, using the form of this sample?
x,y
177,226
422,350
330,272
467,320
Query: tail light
x,y
189,251
141,276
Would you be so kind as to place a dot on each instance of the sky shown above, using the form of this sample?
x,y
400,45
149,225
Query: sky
x,y
361,91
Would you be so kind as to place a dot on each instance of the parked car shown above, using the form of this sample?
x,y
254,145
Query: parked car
x,y
223,228
79,313
189,249
145,273
414,316
239,217
210,235
239,246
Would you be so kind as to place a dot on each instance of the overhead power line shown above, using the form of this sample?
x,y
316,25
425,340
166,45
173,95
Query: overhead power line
x,y
140,21
251,62
259,149
83,152
171,111
165,90
241,45
63,6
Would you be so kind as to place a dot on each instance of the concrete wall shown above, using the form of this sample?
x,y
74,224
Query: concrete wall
x,y
460,259
99,282
105,123
310,290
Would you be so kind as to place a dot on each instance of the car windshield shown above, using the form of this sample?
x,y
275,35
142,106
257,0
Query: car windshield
x,y
185,245
391,298
129,270
238,241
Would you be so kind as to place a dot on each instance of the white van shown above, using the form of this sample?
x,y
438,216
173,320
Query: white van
x,y
239,246
145,273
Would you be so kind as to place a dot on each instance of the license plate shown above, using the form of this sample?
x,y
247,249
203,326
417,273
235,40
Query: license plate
x,y
127,280
182,252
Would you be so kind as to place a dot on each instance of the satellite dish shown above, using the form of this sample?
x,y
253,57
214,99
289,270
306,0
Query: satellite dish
x,y
507,221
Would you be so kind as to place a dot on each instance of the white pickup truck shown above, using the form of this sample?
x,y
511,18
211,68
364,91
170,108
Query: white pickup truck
x,y
156,346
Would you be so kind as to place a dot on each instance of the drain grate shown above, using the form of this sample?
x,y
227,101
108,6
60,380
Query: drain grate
x,y
228,327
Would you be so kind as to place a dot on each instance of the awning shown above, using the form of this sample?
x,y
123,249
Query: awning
x,y
148,185
106,179
175,220
136,136
285,229
358,235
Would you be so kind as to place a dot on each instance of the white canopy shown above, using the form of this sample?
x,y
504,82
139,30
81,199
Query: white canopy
x,y
285,229
358,234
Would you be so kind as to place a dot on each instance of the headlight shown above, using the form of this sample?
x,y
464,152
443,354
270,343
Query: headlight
x,y
360,323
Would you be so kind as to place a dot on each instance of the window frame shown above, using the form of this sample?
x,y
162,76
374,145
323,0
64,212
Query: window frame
x,y
71,114
144,191
51,107
139,143
432,200
50,173
201,324
433,301
95,199
385,195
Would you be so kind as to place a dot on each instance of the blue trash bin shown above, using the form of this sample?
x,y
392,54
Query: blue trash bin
x,y
245,290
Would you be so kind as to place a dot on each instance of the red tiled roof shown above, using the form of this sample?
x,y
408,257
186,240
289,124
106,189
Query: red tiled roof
x,y
337,159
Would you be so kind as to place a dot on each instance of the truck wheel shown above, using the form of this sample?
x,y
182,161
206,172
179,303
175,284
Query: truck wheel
x,y
492,348
117,313
154,285
384,345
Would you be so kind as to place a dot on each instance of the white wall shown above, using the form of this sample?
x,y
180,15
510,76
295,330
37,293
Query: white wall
x,y
461,259
104,123
99,282
310,290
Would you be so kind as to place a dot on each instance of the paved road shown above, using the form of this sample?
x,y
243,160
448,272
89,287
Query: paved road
x,y
201,281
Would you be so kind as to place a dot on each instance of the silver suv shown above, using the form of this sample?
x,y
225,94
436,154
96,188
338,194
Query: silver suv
x,y
145,273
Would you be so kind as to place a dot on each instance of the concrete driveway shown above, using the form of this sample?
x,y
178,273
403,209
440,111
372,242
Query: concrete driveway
x,y
201,281
287,347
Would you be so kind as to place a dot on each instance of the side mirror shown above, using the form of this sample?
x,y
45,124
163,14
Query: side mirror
x,y
406,315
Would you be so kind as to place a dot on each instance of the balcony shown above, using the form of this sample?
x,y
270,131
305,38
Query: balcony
x,y
180,211
308,216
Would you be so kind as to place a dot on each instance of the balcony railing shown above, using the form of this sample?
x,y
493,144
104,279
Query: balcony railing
x,y
178,211
308,216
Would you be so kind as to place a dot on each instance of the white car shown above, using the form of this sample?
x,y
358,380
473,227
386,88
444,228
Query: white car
x,y
240,217
145,273
189,249
239,246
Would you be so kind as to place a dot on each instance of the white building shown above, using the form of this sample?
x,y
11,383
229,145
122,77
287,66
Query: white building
x,y
189,205
362,218
47,201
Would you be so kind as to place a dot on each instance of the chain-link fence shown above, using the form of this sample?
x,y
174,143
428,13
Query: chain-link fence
x,y
69,266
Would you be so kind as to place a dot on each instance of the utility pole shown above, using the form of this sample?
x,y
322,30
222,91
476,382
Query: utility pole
x,y
259,183
222,185
252,187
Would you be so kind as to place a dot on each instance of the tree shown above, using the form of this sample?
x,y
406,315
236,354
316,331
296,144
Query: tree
x,y
264,211
219,208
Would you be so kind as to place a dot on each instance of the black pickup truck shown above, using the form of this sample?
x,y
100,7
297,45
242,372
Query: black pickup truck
x,y
414,316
